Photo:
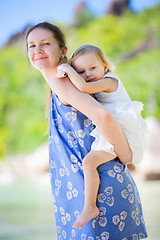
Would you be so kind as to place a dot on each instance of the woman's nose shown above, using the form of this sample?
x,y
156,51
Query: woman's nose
x,y
38,50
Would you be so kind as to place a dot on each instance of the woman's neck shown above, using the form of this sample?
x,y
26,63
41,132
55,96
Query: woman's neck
x,y
49,74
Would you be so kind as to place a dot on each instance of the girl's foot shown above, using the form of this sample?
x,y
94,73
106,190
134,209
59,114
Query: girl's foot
x,y
86,215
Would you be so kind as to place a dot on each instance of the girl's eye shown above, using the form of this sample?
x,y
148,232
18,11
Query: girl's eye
x,y
46,43
81,72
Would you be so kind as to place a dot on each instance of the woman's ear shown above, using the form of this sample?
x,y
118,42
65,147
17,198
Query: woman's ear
x,y
64,51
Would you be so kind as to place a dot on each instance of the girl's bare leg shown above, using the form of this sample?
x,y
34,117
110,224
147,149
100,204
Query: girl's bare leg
x,y
90,163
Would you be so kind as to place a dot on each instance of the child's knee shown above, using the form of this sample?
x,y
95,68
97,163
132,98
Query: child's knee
x,y
89,160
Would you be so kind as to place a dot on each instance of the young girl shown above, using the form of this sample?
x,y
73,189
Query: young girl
x,y
95,76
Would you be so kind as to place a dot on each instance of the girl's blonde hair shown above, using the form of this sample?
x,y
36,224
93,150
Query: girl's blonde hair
x,y
91,49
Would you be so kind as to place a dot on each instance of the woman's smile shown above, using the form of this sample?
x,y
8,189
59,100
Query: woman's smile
x,y
43,49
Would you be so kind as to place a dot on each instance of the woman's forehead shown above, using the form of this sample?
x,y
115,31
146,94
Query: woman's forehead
x,y
40,34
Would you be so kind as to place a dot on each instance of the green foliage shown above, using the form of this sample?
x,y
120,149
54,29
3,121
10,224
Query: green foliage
x,y
22,89
21,97
141,76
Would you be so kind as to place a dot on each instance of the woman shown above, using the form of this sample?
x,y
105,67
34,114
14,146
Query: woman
x,y
69,141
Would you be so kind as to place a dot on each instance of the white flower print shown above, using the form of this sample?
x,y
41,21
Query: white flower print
x,y
75,165
58,185
104,236
73,233
128,193
66,217
100,219
71,116
54,204
63,171
88,123
107,196
76,214
142,235
138,237
75,138
116,173
84,237
58,122
120,220
61,233
135,216
52,164
73,192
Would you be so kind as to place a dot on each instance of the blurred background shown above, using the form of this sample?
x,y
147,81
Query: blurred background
x,y
128,31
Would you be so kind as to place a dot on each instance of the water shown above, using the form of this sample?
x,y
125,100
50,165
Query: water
x,y
26,211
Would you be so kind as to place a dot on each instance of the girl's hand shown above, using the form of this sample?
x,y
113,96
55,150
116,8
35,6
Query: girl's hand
x,y
61,74
62,70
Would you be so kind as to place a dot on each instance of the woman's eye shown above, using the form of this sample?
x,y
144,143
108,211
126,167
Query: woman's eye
x,y
93,67
46,43
32,46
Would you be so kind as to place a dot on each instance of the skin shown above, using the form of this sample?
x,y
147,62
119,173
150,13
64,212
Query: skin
x,y
44,54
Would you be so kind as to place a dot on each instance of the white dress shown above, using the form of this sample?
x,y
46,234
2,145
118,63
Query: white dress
x,y
128,114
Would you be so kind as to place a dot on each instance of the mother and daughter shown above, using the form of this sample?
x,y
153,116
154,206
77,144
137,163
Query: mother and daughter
x,y
95,131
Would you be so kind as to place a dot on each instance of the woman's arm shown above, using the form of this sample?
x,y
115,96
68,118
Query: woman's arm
x,y
104,121
104,84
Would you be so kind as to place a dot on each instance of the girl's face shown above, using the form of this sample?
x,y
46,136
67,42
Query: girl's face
x,y
89,67
43,49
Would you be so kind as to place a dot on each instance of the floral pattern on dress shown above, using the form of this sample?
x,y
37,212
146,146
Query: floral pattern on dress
x,y
135,215
106,196
76,137
119,220
75,164
64,170
116,173
128,193
100,219
72,191
66,217
62,234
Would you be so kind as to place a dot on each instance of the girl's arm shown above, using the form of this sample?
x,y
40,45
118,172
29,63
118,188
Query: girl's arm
x,y
104,84
104,121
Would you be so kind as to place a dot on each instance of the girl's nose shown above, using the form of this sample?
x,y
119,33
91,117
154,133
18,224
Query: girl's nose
x,y
88,74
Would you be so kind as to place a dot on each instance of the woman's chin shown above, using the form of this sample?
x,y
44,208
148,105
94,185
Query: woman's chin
x,y
41,67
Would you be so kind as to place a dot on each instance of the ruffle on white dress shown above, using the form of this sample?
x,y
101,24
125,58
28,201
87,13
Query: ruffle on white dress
x,y
128,114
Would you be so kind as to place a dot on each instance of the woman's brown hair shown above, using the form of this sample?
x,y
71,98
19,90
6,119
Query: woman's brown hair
x,y
59,36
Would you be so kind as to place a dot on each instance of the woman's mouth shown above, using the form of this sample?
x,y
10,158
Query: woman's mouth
x,y
39,59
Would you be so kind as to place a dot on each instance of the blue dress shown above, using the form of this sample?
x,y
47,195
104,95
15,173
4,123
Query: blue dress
x,y
118,200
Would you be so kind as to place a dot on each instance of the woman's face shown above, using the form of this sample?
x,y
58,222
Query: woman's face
x,y
43,49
